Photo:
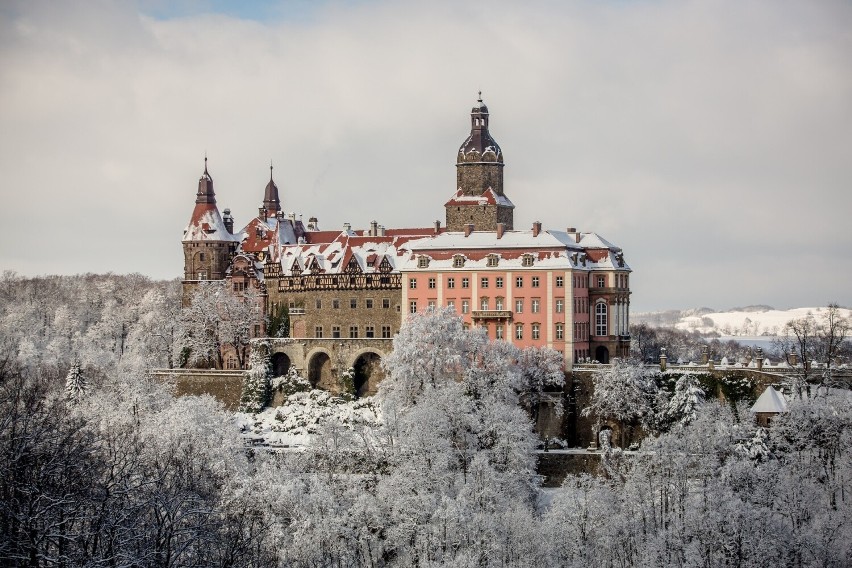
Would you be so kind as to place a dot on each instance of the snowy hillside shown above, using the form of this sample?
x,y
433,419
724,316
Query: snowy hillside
x,y
748,321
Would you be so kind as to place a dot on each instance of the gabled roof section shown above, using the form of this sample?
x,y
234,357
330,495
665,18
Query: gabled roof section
x,y
770,401
488,197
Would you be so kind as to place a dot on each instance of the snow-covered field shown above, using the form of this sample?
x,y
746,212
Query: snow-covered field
x,y
751,322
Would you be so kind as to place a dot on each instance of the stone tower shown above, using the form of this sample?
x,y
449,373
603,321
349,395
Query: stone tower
x,y
208,243
479,199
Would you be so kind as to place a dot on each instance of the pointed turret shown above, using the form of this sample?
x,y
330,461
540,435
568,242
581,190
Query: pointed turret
x,y
205,187
271,202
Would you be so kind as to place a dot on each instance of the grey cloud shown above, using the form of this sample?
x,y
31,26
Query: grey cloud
x,y
710,140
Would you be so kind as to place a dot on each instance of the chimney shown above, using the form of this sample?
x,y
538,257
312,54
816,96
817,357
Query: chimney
x,y
347,227
374,229
468,229
793,359
501,228
760,358
229,221
571,230
705,355
577,236
381,230
663,359
437,227
536,228
261,213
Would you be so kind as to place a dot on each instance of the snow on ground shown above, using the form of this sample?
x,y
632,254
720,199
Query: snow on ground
x,y
749,323
303,415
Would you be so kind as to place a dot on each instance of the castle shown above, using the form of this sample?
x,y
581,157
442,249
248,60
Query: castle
x,y
564,289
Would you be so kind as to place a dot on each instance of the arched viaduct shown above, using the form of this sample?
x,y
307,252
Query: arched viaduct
x,y
322,361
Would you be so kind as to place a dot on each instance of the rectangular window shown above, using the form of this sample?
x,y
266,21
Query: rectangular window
x,y
483,282
519,282
431,283
369,302
498,332
498,282
412,283
601,281
559,306
369,331
257,331
335,304
519,331
431,304
465,282
386,303
353,331
353,303
559,282
318,304
535,281
498,303
536,305
519,306
465,306
536,331
560,331
412,307
386,333
318,332
451,304
483,303
335,331
451,282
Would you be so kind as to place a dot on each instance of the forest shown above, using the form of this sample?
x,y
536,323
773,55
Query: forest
x,y
101,466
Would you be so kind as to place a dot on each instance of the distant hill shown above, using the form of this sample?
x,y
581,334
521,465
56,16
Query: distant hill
x,y
745,321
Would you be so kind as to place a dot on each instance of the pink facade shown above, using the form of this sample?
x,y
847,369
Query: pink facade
x,y
531,288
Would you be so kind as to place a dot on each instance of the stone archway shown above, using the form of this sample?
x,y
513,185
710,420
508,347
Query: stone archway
x,y
602,354
319,371
280,364
368,373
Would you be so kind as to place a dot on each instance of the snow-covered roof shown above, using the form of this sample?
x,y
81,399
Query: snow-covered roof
x,y
550,249
488,197
770,401
206,225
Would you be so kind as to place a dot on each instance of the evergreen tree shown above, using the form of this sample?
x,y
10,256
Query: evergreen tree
x,y
75,383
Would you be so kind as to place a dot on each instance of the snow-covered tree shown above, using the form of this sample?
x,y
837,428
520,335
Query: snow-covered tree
x,y
624,393
688,395
256,385
75,383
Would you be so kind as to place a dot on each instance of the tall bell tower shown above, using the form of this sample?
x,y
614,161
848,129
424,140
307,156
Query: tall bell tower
x,y
479,199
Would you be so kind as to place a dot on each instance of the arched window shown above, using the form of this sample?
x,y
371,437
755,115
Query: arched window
x,y
600,319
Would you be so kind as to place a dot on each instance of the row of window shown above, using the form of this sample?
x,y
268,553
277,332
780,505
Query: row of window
x,y
484,282
535,330
353,303
485,304
535,281
492,260
354,331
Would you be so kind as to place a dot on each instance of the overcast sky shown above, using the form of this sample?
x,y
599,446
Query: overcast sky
x,y
712,141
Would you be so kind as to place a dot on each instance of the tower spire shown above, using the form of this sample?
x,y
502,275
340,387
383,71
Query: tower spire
x,y
271,202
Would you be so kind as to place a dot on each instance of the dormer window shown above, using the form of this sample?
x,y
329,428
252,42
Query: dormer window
x,y
527,260
493,259
458,261
423,262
